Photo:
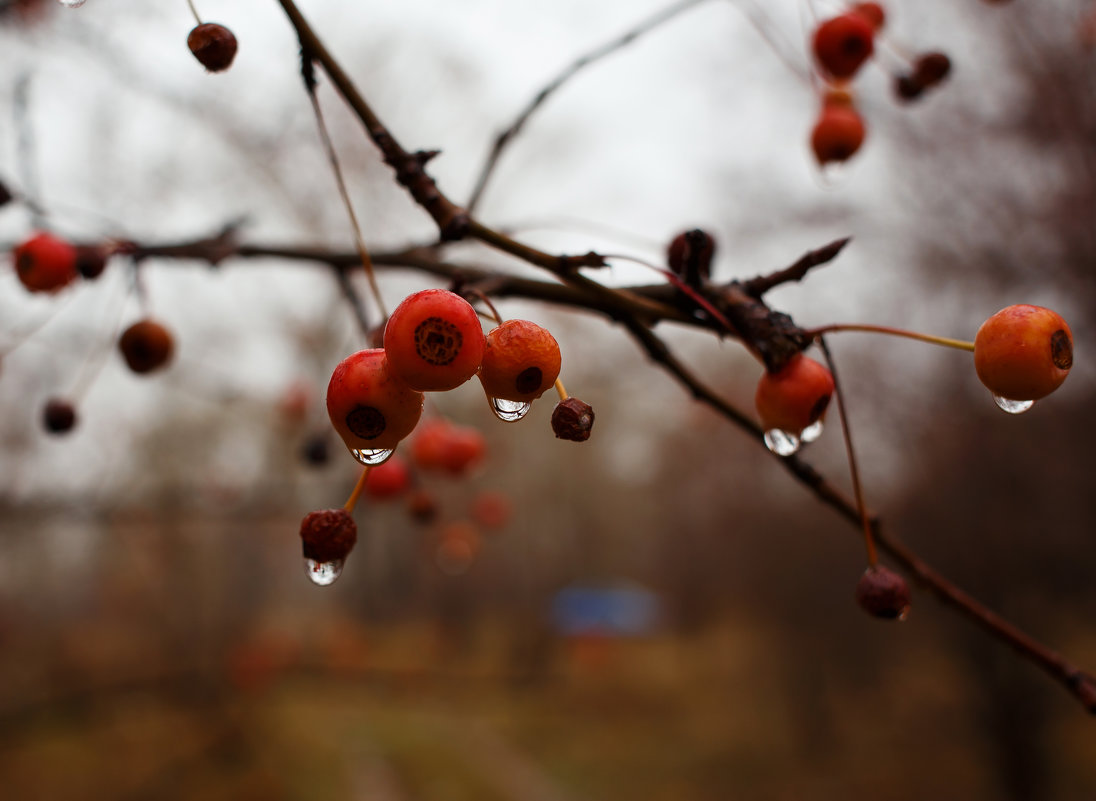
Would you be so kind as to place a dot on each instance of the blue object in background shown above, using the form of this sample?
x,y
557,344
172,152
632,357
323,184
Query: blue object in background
x,y
618,611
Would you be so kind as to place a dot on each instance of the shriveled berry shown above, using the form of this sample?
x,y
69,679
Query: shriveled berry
x,y
146,346
838,133
58,416
520,361
434,340
1023,352
328,535
45,263
883,593
842,44
369,406
91,260
794,397
690,256
573,420
388,480
213,45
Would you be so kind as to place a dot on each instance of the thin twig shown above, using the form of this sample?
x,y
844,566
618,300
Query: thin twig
x,y
763,283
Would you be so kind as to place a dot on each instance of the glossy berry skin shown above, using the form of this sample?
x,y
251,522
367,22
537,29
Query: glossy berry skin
x,y
838,133
794,397
520,361
146,346
1023,352
45,263
434,340
58,416
842,44
213,45
369,406
388,480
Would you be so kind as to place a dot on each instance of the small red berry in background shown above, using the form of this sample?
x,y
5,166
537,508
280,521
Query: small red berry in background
x,y
422,506
459,544
434,340
1023,353
146,346
872,12
58,416
328,535
795,397
491,509
839,131
521,360
843,44
464,449
388,480
213,45
45,263
883,593
369,406
428,444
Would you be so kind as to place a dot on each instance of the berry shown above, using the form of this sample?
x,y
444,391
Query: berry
x,y
146,346
58,416
1023,352
838,133
573,420
6,196
315,451
212,44
328,535
422,506
434,340
45,263
428,445
883,593
794,397
91,260
464,448
458,545
491,510
842,44
388,480
690,256
520,361
872,12
931,68
370,407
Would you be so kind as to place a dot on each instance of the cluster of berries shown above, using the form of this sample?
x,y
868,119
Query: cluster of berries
x,y
841,45
46,263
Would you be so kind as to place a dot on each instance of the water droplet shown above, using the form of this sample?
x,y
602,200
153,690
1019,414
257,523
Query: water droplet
x,y
781,442
508,410
1013,406
323,574
905,613
72,3
372,457
811,432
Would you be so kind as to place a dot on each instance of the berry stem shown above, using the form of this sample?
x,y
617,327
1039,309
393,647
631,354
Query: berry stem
x,y
854,472
959,344
487,302
194,11
356,493
561,390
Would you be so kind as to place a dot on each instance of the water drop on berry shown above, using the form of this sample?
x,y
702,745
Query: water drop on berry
x,y
1013,406
323,574
510,411
811,432
781,442
372,457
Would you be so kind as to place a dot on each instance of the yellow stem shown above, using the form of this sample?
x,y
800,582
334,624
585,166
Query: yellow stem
x,y
561,390
959,344
352,501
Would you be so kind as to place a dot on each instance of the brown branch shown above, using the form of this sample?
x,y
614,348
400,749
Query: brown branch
x,y
763,283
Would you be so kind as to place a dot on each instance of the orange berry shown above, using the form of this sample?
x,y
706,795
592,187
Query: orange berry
x,y
795,397
520,361
1023,352
45,263
213,45
388,480
838,134
464,449
146,346
370,407
842,44
434,340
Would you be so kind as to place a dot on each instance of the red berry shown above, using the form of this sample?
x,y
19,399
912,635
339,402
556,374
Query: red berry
x,y
371,408
212,44
388,480
422,506
464,449
328,535
795,397
45,263
59,416
1023,352
491,510
428,444
146,346
520,361
872,12
838,133
883,593
434,340
843,44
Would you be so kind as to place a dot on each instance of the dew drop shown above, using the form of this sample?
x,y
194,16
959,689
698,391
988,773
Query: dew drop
x,y
372,457
781,442
72,3
811,432
903,614
323,574
508,410
1013,406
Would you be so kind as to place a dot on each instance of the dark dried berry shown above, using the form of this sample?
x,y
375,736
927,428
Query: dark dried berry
x,y
573,420
883,593
931,68
690,256
906,88
59,416
328,535
316,450
91,260
212,44
146,346
422,506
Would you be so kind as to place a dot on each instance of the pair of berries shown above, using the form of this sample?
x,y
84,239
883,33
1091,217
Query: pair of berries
x,y
843,43
46,263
